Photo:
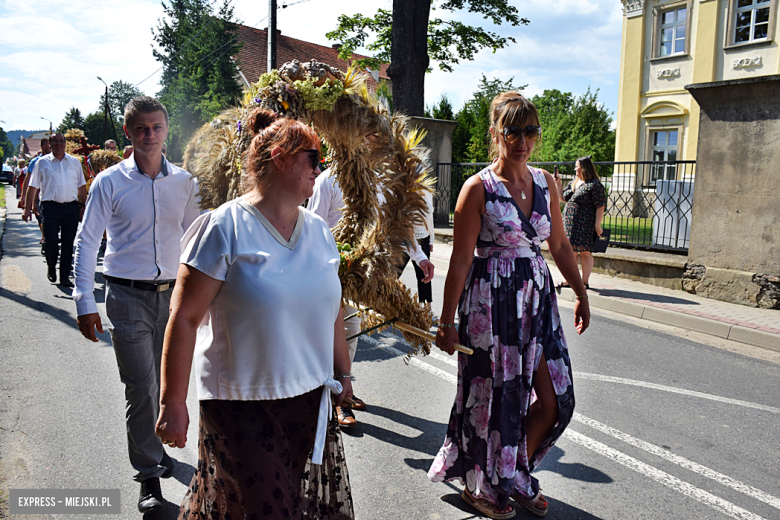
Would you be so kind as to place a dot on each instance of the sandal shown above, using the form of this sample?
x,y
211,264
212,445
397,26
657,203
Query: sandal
x,y
537,505
563,285
486,507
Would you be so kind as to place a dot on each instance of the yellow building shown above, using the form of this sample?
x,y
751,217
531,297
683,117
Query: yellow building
x,y
668,44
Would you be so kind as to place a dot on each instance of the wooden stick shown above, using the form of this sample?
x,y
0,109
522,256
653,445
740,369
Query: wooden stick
x,y
414,330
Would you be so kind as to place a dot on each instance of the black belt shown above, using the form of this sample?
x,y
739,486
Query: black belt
x,y
61,203
144,286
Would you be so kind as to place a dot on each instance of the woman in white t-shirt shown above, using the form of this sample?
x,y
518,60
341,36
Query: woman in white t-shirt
x,y
256,309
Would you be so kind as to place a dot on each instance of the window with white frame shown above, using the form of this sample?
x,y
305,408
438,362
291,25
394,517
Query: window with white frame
x,y
664,148
751,20
672,28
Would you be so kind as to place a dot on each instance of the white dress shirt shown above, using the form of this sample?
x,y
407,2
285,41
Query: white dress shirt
x,y
144,220
327,201
58,180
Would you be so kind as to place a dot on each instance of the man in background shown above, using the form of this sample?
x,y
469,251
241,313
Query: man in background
x,y
60,180
45,150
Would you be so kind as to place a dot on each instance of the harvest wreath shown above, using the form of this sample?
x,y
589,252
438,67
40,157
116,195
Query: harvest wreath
x,y
368,149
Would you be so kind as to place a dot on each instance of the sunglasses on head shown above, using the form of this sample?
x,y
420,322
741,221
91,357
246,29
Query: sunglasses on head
x,y
314,157
530,132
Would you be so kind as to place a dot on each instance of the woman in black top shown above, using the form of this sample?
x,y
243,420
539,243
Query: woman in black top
x,y
586,199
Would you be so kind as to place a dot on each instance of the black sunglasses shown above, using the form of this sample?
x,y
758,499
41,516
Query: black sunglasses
x,y
530,132
314,157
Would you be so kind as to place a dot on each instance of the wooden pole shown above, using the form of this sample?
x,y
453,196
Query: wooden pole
x,y
413,330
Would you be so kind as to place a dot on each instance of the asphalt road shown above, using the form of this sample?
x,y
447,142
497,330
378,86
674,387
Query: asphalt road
x,y
666,427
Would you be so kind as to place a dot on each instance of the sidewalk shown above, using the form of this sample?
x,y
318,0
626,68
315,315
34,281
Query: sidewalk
x,y
753,326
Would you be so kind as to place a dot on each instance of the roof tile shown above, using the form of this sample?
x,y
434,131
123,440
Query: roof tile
x,y
253,57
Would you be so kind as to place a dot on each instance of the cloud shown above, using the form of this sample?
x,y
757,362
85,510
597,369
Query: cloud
x,y
55,54
569,45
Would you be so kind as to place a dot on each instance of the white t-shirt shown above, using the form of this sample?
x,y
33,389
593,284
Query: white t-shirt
x,y
268,334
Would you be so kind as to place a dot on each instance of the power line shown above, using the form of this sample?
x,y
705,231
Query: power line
x,y
33,95
229,42
177,52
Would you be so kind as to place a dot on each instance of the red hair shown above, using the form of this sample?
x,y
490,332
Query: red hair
x,y
271,131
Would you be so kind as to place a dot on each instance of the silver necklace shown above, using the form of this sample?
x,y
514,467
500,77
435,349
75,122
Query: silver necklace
x,y
522,192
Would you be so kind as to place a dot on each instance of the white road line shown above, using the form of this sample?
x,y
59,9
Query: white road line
x,y
681,461
623,381
450,360
662,477
609,379
414,361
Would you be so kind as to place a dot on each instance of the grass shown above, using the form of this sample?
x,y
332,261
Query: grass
x,y
2,196
632,230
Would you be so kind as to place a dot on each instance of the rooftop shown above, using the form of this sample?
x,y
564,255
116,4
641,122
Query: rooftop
x,y
253,56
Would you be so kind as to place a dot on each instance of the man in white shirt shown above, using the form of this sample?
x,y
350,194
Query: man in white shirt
x,y
327,201
145,204
60,180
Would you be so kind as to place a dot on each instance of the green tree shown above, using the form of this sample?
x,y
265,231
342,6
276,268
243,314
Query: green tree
x,y
98,132
72,119
471,138
408,39
119,95
574,127
196,45
5,144
442,110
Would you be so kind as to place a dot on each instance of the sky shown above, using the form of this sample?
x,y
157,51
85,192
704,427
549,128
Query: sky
x,y
50,59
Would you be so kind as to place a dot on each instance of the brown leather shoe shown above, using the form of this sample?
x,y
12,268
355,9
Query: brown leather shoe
x,y
358,404
345,417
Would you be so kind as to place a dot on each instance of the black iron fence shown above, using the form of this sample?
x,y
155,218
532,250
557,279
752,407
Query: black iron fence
x,y
649,203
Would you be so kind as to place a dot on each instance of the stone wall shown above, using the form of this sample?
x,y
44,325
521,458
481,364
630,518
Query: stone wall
x,y
734,252
438,139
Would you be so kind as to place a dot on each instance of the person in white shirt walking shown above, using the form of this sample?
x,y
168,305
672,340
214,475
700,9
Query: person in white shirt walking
x,y
327,201
424,235
59,178
145,204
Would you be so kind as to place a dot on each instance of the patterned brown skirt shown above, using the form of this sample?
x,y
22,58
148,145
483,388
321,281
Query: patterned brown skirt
x,y
254,461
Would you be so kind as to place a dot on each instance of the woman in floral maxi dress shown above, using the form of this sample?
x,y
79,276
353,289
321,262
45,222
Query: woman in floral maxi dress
x,y
515,395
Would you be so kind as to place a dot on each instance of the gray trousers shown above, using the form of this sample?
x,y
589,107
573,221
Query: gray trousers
x,y
138,319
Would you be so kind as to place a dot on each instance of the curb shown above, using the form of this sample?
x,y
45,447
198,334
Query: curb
x,y
732,332
756,338
3,212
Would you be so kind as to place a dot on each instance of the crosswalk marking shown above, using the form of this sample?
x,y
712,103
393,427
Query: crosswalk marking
x,y
660,476
680,461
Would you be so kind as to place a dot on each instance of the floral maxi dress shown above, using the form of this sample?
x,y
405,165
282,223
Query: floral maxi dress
x,y
508,315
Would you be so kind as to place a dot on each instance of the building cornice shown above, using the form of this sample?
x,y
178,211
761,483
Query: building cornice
x,y
671,92
633,8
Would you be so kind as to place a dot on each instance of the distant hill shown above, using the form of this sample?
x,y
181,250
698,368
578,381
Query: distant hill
x,y
14,135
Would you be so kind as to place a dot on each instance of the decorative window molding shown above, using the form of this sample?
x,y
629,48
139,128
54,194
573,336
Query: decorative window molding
x,y
668,73
632,8
750,23
744,63
671,30
664,109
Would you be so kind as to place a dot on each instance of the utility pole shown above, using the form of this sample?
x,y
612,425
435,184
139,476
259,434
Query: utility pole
x,y
107,115
271,35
